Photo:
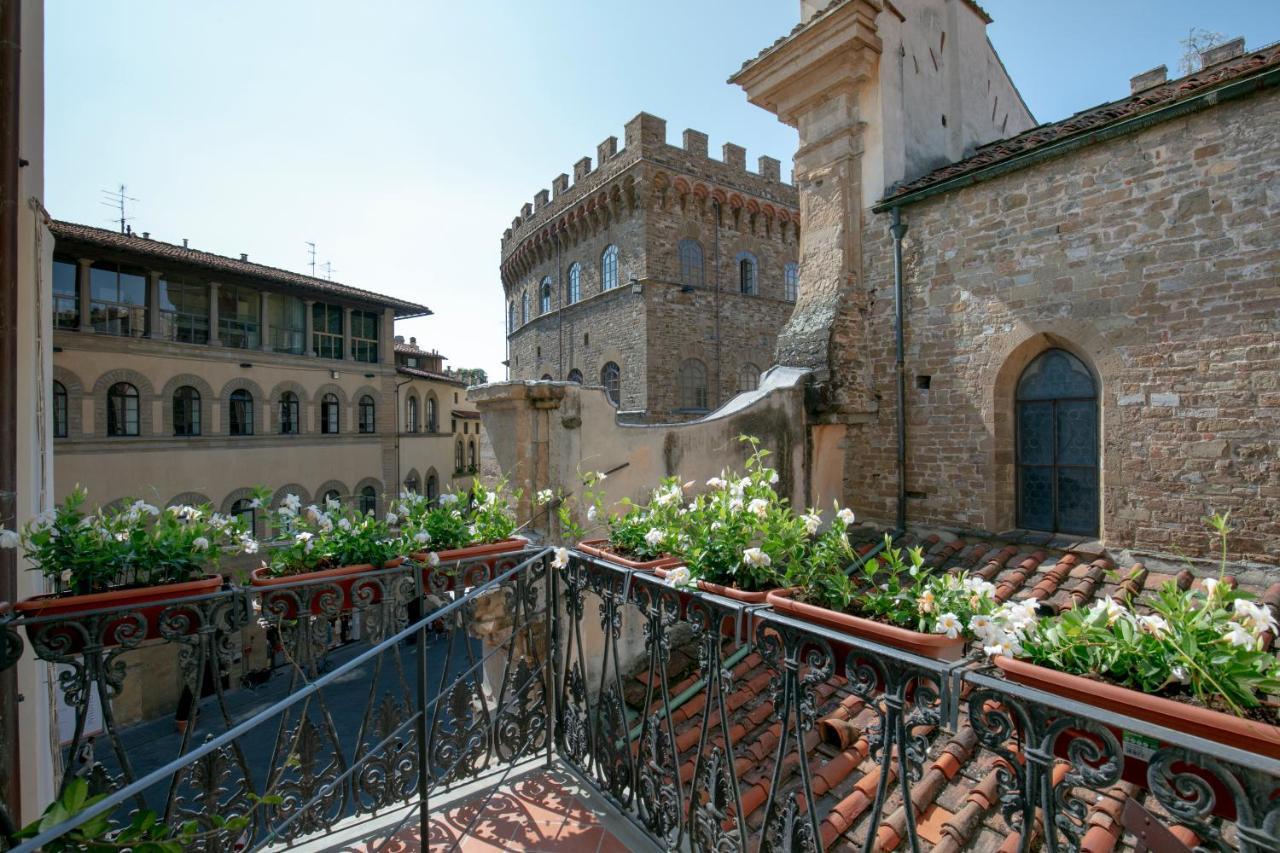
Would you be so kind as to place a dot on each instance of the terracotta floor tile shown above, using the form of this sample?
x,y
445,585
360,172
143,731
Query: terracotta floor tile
x,y
471,844
611,844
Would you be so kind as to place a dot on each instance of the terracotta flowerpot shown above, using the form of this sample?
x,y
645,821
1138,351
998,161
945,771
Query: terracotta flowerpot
x,y
600,548
435,580
936,646
724,591
281,601
69,607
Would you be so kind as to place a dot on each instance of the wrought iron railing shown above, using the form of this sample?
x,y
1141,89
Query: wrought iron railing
x,y
709,723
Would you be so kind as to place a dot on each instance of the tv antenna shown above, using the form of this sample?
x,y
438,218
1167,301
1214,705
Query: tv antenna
x,y
116,199
327,266
311,250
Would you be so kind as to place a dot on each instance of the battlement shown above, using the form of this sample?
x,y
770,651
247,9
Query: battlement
x,y
645,138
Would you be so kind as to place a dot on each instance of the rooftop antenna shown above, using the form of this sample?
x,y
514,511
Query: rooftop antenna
x,y
327,266
116,199
311,250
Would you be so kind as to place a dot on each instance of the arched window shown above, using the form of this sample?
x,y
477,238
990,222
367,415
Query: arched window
x,y
524,307
411,483
511,316
332,495
186,411
575,282
459,458
544,296
433,415
693,384
244,509
122,410
329,413
368,500
240,416
59,410
691,263
546,377
411,415
289,413
472,463
575,375
1057,445
433,488
611,379
748,377
747,269
366,411
609,268
791,281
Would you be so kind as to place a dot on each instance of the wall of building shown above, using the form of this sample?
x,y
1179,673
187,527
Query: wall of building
x,y
1153,258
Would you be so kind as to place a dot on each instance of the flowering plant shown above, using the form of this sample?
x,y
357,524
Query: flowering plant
x,y
317,538
1205,642
456,520
135,545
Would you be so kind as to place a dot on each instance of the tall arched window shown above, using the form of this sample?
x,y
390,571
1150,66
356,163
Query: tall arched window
x,y
575,375
524,307
289,411
691,263
472,463
186,411
611,379
366,412
544,296
244,509
240,416
791,281
1057,445
332,495
693,384
433,415
411,484
59,410
433,488
368,500
511,316
122,410
411,415
575,282
329,414
609,268
747,271
748,377
459,458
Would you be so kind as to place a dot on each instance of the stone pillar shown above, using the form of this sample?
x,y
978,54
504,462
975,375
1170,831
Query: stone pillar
x,y
214,340
265,320
346,335
82,288
386,337
308,342
153,305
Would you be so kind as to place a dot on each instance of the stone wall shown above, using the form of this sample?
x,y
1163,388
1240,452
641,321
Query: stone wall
x,y
1155,258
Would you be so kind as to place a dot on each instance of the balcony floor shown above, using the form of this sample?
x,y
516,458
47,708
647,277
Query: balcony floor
x,y
535,809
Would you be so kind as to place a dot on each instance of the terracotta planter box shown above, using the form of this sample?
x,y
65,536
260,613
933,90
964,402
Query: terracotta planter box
x,y
1248,735
600,548
936,646
493,551
70,606
283,603
726,591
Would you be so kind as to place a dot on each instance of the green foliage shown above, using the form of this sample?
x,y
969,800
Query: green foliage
x,y
456,520
334,535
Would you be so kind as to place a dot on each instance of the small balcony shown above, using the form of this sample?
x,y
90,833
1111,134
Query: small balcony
x,y
525,702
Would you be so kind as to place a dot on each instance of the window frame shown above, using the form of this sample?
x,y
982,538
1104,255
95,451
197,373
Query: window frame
x,y
179,325
290,413
367,415
694,394
326,343
280,333
692,262
575,283
612,382
367,500
544,296
237,330
61,410
411,414
364,336
186,412
240,415
330,414
127,311
132,411
62,297
748,283
609,268
791,281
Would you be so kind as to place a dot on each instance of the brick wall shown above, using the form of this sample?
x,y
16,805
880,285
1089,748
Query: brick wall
x,y
1154,257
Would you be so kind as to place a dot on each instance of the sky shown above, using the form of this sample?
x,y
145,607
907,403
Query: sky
x,y
403,137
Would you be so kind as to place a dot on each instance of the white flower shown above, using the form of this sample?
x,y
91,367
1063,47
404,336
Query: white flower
x,y
544,497
591,513
679,576
393,519
326,524
1112,608
314,512
1238,635
256,503
1256,617
812,521
65,577
200,543
756,557
926,602
561,559
715,525
143,506
1210,586
1179,674
8,538
759,506
332,504
735,505
422,537
292,502
666,497
981,626
344,523
447,499
249,545
846,516
1153,624
949,624
773,477
1002,644
433,559
716,483
653,538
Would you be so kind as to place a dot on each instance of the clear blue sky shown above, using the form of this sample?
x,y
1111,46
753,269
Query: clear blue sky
x,y
402,137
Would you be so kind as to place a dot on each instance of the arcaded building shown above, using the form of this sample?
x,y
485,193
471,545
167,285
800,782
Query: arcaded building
x,y
662,274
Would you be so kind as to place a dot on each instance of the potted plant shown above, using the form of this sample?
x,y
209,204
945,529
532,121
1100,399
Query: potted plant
x,y
630,543
894,601
137,554
334,543
477,523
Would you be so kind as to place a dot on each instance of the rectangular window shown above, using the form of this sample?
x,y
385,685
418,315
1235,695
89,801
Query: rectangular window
x,y
66,295
184,310
239,323
287,319
118,300
327,330
364,336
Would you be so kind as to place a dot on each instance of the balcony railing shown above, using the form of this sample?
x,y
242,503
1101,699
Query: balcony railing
x,y
709,723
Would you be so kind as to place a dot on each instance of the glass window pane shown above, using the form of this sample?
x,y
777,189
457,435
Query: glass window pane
x,y
1035,433
1035,498
1078,501
1077,432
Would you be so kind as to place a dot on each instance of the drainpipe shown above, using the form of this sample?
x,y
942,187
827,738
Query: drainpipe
x,y
395,424
898,229
560,308
715,203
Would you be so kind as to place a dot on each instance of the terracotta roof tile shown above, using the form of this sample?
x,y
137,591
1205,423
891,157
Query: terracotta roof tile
x,y
427,374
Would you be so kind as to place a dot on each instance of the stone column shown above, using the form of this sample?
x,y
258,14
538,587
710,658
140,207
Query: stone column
x,y
346,335
214,340
82,288
308,343
265,320
153,305
386,337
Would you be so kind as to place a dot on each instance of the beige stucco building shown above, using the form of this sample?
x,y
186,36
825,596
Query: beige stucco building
x,y
439,443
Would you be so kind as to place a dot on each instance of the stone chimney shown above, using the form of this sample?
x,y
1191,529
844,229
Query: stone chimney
x,y
1148,79
1223,52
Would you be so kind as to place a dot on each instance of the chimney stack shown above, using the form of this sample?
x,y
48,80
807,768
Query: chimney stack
x,y
244,256
184,243
1148,79
413,342
146,235
399,339
1222,52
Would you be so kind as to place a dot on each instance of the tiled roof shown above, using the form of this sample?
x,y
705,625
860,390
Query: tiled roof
x,y
956,800
160,250
1090,120
411,349
465,415
427,374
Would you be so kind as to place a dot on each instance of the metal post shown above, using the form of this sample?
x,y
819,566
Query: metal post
x,y
424,785
548,662
898,229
